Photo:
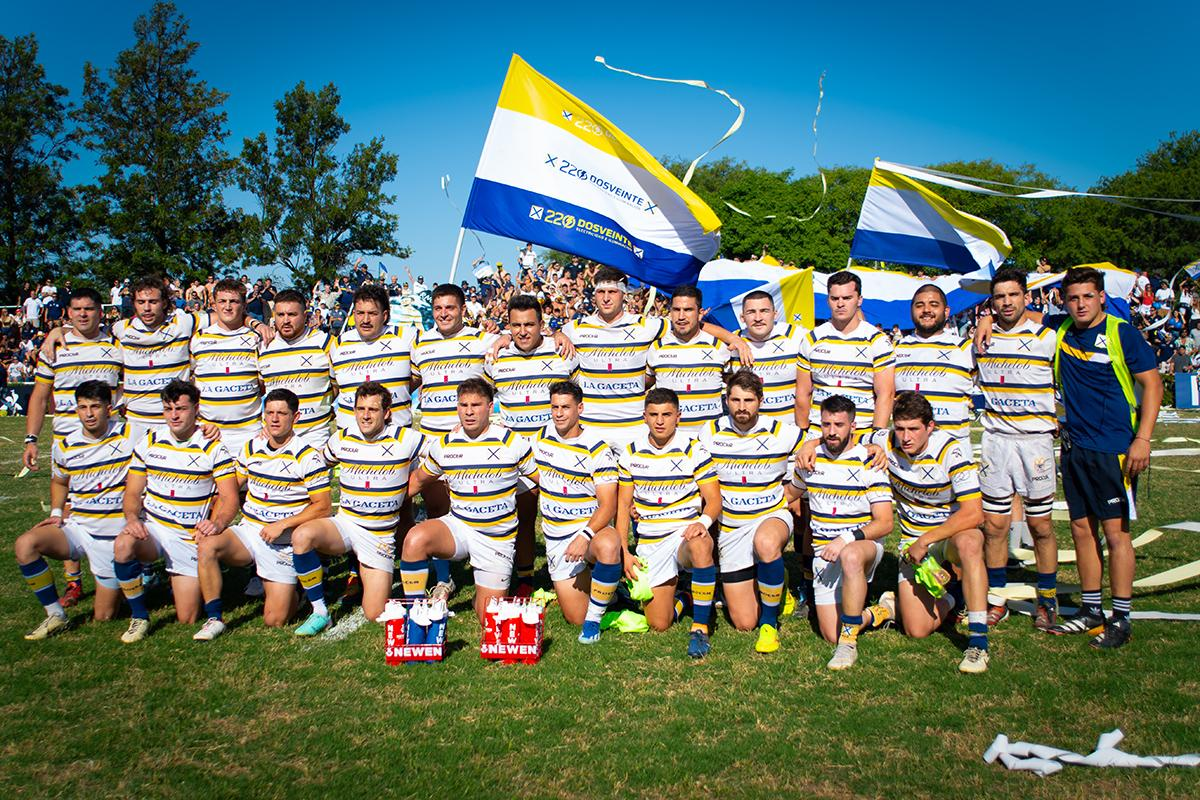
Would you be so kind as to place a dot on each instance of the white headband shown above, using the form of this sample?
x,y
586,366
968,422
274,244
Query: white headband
x,y
620,286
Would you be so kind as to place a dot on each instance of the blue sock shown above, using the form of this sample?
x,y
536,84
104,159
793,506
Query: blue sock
x,y
997,577
413,577
977,629
129,575
311,577
955,590
770,576
41,582
213,609
441,570
704,586
1047,589
604,585
1121,607
1091,602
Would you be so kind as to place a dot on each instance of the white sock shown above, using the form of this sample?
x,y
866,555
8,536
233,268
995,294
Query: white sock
x,y
319,607
55,609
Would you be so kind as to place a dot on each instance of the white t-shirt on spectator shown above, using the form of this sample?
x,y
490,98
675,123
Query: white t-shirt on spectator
x,y
114,295
33,309
1164,294
527,259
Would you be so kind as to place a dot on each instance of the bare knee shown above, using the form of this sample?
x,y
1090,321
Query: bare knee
x,y
274,618
187,616
123,548
606,549
104,614
25,548
969,544
658,625
371,609
574,616
851,560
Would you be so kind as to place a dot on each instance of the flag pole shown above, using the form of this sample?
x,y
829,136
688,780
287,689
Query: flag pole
x,y
457,250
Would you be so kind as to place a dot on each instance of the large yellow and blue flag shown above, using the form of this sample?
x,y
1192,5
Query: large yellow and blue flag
x,y
725,284
904,222
556,173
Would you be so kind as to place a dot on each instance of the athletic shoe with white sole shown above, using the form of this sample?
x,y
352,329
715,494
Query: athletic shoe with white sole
x,y
996,615
52,624
1117,632
443,591
138,629
211,629
974,661
590,634
313,625
1082,622
768,639
844,656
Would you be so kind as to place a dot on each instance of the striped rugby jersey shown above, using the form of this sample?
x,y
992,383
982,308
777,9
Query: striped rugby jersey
x,y
751,466
695,370
483,475
442,363
302,366
78,360
1016,375
845,363
374,474
612,369
95,471
775,362
225,369
841,490
569,471
929,487
523,382
154,358
942,370
279,483
385,359
666,482
181,477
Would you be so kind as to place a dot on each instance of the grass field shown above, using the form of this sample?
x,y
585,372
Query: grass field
x,y
260,714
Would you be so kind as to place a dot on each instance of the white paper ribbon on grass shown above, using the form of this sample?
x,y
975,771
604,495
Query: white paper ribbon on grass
x,y
1025,607
1044,760
737,123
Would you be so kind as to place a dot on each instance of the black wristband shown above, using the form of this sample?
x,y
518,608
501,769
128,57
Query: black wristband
x,y
30,438
859,536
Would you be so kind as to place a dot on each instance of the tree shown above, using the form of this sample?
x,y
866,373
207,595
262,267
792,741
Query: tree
x,y
315,211
37,218
158,131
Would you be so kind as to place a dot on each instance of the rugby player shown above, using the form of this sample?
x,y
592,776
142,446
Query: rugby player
x,y
937,363
298,359
286,485
169,505
89,468
578,500
752,455
225,368
690,362
668,480
523,373
87,353
1016,376
482,464
776,348
376,459
851,504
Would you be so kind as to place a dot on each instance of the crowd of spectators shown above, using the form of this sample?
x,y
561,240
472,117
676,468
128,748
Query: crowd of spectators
x,y
561,284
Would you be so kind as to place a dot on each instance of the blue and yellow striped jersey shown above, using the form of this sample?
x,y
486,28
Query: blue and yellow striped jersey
x,y
775,362
1016,375
302,366
279,483
95,471
384,359
930,486
751,466
841,490
442,363
845,363
569,471
154,358
523,382
483,474
942,370
666,482
612,370
225,369
374,474
695,370
181,476
78,360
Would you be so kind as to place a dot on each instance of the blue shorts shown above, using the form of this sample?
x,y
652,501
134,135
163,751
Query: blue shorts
x,y
1095,484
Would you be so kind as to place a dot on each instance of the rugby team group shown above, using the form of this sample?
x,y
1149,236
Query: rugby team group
x,y
648,448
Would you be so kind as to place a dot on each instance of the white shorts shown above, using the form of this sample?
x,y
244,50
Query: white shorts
x,y
491,559
177,547
905,570
827,576
1017,464
93,540
561,569
138,428
374,550
272,562
735,548
234,439
662,558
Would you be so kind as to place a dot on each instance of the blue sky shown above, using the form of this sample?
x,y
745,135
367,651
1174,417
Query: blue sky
x,y
1079,89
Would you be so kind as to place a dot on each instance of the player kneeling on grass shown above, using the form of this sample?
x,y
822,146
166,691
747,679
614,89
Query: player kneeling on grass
x,y
286,485
578,500
376,460
173,476
936,485
483,465
752,455
668,480
88,467
851,505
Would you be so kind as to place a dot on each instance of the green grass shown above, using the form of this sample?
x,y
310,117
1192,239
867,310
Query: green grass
x,y
259,714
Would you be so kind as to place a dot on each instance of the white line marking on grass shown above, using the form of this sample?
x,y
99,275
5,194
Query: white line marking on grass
x,y
344,627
